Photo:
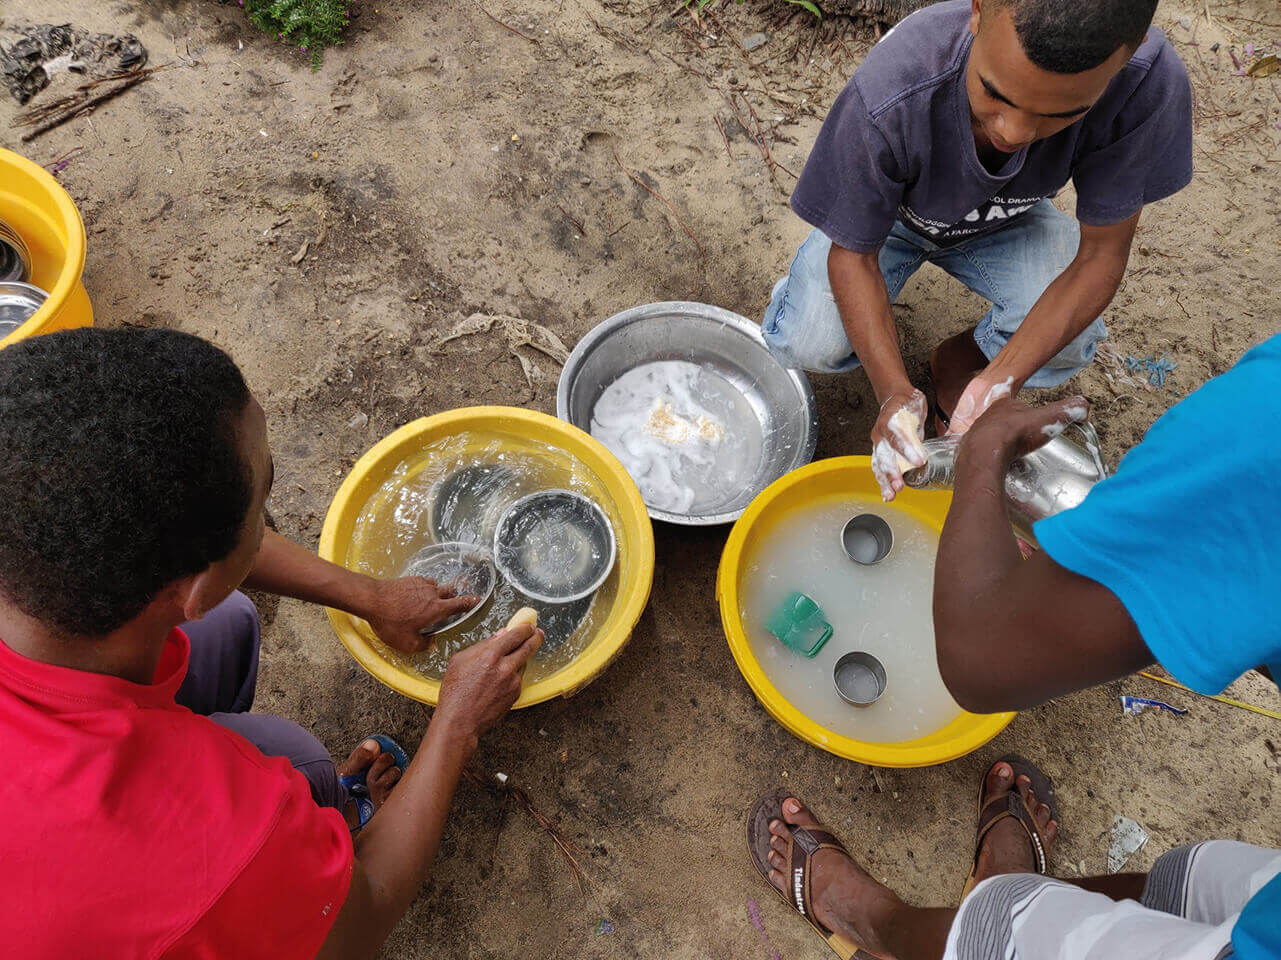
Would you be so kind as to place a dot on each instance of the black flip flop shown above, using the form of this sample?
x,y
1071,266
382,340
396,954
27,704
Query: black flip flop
x,y
806,841
995,809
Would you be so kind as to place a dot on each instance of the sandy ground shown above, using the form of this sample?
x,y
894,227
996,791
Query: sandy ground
x,y
440,164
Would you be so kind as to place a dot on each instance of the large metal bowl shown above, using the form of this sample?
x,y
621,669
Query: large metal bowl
x,y
722,342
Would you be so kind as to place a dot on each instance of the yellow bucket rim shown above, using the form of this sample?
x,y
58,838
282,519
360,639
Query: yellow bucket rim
x,y
974,732
635,541
74,262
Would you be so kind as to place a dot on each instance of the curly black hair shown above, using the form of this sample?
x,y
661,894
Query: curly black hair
x,y
120,472
1072,37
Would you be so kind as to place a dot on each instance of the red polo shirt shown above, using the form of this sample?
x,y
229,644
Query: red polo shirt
x,y
134,828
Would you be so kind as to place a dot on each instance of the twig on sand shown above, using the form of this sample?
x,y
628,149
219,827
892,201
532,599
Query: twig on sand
x,y
724,136
572,219
654,193
521,799
509,27
56,114
758,135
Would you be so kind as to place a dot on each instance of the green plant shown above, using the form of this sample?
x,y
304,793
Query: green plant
x,y
310,25
809,5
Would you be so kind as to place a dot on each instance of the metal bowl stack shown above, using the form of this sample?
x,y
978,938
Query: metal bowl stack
x,y
15,258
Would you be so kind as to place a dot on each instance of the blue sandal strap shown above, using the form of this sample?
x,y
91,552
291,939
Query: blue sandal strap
x,y
364,812
388,745
356,784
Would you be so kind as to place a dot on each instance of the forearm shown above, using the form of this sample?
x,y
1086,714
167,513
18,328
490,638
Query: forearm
x,y
1071,303
283,567
1012,633
977,551
397,847
395,850
976,558
864,304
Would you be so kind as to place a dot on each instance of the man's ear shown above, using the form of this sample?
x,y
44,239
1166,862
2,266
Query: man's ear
x,y
976,16
192,594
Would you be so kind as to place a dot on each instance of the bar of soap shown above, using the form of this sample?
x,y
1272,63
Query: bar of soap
x,y
906,425
525,615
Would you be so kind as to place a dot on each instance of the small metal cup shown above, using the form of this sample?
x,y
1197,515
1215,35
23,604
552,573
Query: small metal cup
x,y
859,678
867,539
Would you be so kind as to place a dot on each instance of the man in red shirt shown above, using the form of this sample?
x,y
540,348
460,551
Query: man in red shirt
x,y
132,487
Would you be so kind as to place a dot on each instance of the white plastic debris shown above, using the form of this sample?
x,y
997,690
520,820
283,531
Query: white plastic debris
x,y
1127,839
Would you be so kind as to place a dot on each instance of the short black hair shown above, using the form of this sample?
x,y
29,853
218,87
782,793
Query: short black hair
x,y
120,471
1072,36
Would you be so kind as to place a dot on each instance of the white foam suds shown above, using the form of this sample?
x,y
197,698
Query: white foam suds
x,y
884,610
668,424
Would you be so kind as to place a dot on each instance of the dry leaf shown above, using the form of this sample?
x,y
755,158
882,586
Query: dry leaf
x,y
1264,66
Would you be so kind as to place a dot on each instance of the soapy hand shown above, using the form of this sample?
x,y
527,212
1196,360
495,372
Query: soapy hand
x,y
403,607
483,681
980,394
897,440
1010,429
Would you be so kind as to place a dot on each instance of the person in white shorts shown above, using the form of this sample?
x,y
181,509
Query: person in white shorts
x,y
1171,560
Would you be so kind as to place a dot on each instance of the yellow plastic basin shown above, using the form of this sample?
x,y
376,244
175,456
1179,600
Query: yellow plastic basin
x,y
608,484
834,479
34,204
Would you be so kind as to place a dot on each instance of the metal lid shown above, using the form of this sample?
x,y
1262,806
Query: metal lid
x,y
555,546
465,567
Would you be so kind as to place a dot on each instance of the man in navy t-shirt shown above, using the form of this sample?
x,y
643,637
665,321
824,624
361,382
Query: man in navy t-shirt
x,y
946,146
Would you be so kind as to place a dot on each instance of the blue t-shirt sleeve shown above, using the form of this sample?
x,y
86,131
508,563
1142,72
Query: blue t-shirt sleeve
x,y
1257,934
850,187
1185,533
1145,153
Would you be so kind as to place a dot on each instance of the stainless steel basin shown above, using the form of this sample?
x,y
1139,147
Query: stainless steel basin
x,y
770,406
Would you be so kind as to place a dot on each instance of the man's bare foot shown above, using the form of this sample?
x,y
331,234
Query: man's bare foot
x,y
846,900
1006,849
382,774
953,364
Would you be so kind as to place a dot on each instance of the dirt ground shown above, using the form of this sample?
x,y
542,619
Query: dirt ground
x,y
440,163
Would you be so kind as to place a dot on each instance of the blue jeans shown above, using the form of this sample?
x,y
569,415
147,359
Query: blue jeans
x,y
1011,267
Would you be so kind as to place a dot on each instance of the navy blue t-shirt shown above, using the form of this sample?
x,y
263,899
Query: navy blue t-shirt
x,y
898,143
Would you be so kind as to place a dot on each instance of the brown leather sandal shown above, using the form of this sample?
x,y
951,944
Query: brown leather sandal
x,y
802,846
995,809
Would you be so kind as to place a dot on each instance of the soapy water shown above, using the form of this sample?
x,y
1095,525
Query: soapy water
x,y
688,437
456,489
884,610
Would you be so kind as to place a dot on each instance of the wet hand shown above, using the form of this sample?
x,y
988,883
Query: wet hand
x,y
897,440
979,394
1010,429
402,608
483,681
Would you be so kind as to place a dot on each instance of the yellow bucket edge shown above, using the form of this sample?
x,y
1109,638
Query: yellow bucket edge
x,y
68,304
962,736
636,541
